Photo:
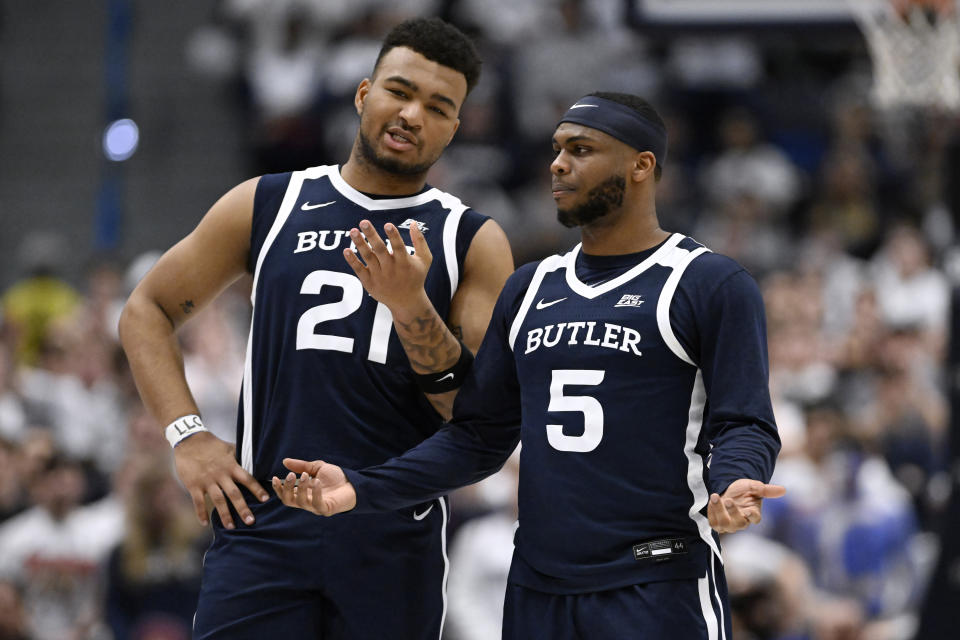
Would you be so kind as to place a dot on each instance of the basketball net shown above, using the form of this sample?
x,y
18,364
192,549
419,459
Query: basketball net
x,y
916,56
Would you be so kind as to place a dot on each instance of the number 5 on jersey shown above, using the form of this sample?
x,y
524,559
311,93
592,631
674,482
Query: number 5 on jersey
x,y
590,408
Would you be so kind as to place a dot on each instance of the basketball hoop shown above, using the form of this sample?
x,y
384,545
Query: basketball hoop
x,y
915,47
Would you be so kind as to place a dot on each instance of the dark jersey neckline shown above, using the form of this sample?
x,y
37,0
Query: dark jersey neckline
x,y
380,196
593,270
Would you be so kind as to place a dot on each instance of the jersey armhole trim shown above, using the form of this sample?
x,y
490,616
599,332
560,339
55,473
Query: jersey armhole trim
x,y
450,227
549,264
666,298
297,179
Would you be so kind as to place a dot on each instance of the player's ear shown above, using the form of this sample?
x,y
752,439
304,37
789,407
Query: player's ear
x,y
643,165
456,125
362,90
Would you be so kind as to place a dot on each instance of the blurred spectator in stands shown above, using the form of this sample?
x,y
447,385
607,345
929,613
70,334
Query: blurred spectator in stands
x,y
856,349
585,43
36,451
480,560
750,185
103,298
283,76
705,75
504,23
845,201
910,291
136,269
852,119
771,594
841,277
13,498
40,298
56,548
836,617
145,437
153,575
78,370
13,416
748,164
800,369
13,619
679,197
213,362
742,228
850,520
904,413
931,173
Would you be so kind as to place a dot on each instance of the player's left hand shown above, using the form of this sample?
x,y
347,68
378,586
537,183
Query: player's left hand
x,y
322,489
388,272
740,505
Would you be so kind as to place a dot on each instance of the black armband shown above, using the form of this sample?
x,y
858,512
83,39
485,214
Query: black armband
x,y
448,379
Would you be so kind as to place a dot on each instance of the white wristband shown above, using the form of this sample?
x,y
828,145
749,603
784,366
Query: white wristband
x,y
183,428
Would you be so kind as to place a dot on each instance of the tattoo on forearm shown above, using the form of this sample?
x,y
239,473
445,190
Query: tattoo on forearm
x,y
429,345
187,306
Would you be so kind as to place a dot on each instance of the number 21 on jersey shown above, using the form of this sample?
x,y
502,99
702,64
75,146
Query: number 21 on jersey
x,y
308,338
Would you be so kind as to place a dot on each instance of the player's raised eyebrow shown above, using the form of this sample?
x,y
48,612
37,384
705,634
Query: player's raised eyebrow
x,y
414,87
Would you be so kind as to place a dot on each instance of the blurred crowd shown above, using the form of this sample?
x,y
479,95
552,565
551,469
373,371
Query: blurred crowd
x,y
843,215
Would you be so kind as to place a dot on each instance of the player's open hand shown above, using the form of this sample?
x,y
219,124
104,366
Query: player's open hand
x,y
388,272
321,488
740,505
207,467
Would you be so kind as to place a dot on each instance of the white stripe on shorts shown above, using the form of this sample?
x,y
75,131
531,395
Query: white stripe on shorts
x,y
709,615
446,559
716,595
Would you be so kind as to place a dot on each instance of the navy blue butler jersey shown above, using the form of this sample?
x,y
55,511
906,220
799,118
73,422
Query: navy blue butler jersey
x,y
639,386
326,376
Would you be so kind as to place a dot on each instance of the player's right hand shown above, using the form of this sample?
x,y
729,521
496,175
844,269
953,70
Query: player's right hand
x,y
388,272
207,467
322,489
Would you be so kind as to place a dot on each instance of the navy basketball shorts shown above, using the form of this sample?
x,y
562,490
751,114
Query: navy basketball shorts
x,y
297,575
668,610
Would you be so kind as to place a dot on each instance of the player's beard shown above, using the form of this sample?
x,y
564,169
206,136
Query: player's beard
x,y
391,165
601,200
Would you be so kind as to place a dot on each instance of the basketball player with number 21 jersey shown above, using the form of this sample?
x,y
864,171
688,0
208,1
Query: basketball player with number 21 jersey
x,y
634,369
358,344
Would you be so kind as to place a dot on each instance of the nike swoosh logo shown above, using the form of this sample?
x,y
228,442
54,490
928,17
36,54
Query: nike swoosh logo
x,y
306,206
582,106
449,375
421,516
543,305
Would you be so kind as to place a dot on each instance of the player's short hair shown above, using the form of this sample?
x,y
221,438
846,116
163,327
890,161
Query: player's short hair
x,y
642,107
435,40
